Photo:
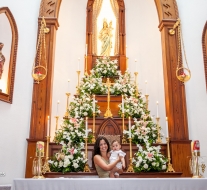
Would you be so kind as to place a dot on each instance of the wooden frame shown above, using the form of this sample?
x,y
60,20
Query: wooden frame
x,y
13,54
204,45
175,99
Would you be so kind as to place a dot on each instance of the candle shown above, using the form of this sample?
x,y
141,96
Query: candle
x,y
68,85
130,128
146,87
167,135
93,103
48,126
135,65
79,64
86,129
57,107
86,49
122,103
157,109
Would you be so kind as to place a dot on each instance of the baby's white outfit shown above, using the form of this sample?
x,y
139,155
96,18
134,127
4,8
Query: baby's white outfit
x,y
114,156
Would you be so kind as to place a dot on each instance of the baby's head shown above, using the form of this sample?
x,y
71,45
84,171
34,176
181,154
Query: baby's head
x,y
115,145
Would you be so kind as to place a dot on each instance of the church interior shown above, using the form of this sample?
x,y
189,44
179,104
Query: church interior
x,y
131,71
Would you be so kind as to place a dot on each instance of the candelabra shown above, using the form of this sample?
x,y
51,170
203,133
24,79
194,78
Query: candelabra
x,y
136,84
123,138
159,140
67,107
169,165
127,65
130,167
86,168
86,65
77,87
46,167
108,110
147,101
93,138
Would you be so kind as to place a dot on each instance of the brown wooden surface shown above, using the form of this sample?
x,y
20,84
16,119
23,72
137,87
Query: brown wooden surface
x,y
8,97
93,174
204,45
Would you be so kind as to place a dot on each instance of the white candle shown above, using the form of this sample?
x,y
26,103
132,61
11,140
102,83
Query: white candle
x,y
146,87
167,135
135,65
57,107
130,135
79,64
68,85
86,129
157,109
48,125
86,49
122,103
93,103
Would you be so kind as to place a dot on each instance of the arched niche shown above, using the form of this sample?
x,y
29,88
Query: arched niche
x,y
10,61
204,45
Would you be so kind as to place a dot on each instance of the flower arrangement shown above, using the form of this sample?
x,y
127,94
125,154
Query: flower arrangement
x,y
123,85
149,159
134,107
144,130
82,106
105,68
92,85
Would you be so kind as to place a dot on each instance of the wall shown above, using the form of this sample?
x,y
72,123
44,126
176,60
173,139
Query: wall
x,y
15,118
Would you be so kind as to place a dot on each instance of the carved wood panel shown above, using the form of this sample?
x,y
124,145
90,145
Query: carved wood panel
x,y
204,45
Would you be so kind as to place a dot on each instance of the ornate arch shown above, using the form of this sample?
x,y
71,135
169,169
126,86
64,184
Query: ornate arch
x,y
174,90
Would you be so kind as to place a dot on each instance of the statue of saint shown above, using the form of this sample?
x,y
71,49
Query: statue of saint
x,y
105,35
2,60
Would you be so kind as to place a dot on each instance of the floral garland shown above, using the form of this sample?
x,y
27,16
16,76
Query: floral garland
x,y
149,159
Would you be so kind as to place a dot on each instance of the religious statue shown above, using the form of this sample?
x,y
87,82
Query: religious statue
x,y
105,35
2,60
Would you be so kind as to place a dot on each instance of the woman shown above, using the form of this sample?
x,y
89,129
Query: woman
x,y
101,158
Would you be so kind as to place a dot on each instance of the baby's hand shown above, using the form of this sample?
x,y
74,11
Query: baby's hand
x,y
123,166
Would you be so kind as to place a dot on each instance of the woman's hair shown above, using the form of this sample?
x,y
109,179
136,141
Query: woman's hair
x,y
97,145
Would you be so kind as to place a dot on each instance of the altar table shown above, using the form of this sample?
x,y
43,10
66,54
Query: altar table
x,y
110,184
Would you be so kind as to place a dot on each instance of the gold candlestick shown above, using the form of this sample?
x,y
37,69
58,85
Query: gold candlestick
x,y
77,87
169,165
136,84
127,65
86,168
67,106
56,125
130,167
86,65
147,100
108,110
123,138
46,167
159,140
93,138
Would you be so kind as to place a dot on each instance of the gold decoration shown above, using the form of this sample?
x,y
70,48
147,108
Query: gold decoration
x,y
86,65
86,168
123,138
67,107
93,138
77,87
182,73
136,84
147,101
39,70
130,167
169,165
46,167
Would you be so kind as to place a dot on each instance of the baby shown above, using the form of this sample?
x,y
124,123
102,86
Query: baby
x,y
114,154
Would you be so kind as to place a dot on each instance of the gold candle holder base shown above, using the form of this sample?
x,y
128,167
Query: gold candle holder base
x,y
159,140
169,165
147,101
66,116
108,113
77,87
136,84
130,167
46,167
86,168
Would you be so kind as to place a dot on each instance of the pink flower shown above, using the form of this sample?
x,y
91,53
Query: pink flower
x,y
73,120
71,150
150,155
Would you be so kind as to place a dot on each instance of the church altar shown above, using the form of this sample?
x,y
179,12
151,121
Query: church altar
x,y
110,184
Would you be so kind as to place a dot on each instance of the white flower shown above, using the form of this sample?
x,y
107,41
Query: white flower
x,y
75,165
60,164
145,166
163,167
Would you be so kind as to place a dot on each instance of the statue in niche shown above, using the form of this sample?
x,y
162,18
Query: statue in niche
x,y
2,60
105,35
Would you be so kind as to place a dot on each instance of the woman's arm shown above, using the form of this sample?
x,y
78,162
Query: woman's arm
x,y
107,167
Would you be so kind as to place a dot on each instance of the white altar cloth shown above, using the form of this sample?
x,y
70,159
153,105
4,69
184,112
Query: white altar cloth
x,y
110,184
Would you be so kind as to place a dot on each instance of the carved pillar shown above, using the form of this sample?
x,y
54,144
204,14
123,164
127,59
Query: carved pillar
x,y
42,93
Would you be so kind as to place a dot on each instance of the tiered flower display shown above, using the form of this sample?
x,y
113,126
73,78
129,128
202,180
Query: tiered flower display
x,y
71,158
